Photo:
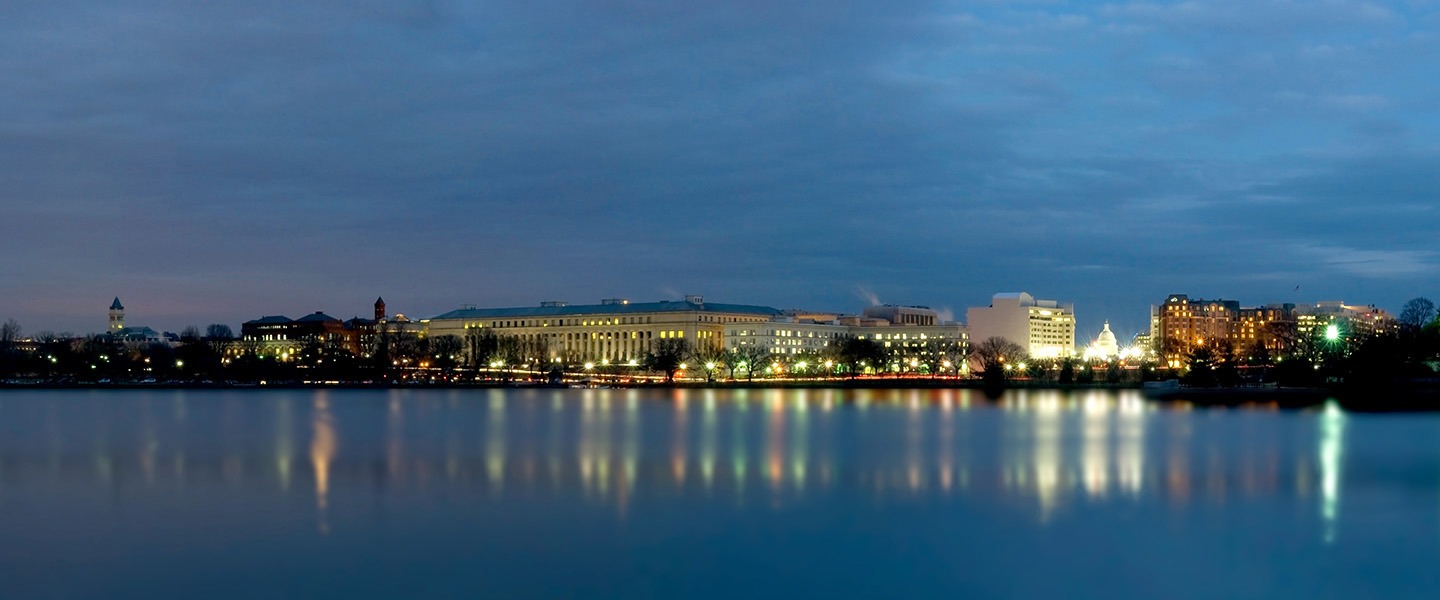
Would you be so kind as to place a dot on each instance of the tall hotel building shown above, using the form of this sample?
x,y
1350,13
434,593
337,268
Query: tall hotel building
x,y
1185,323
1044,328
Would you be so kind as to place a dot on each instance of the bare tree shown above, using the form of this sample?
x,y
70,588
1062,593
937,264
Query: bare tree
x,y
219,337
989,356
856,352
9,332
1417,313
668,355
732,361
446,351
753,357
954,353
707,357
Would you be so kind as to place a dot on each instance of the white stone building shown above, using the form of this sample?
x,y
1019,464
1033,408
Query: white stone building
x,y
1043,328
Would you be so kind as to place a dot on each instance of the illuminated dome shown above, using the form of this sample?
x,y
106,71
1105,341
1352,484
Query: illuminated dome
x,y
1105,345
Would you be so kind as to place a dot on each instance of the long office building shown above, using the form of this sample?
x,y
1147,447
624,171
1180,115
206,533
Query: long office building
x,y
616,330
619,331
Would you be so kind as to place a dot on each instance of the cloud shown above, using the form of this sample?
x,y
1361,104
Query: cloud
x,y
274,156
1369,263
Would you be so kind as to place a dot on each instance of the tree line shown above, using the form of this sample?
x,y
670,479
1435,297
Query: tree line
x,y
216,355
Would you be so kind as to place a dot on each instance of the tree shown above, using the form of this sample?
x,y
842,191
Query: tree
x,y
753,357
1201,372
1416,314
856,352
446,351
219,336
9,357
9,333
708,356
989,356
732,361
668,355
954,353
481,346
189,334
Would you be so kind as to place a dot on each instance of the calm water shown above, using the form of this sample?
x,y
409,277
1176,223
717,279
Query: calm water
x,y
707,494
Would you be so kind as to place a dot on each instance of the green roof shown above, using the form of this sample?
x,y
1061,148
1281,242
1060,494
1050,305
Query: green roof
x,y
609,309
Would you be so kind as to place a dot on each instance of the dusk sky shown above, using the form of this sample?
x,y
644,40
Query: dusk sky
x,y
215,162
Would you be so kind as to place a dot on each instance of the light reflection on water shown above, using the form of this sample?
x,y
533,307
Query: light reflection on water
x,y
1043,455
1048,447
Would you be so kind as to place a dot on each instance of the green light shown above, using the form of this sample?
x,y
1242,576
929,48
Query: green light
x,y
1332,332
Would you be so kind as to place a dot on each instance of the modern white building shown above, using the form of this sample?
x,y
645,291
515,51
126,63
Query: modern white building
x,y
791,335
1044,328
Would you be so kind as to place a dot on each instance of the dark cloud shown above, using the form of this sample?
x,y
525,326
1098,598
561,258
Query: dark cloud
x,y
219,161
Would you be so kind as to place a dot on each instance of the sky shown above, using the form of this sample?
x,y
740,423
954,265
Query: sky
x,y
215,162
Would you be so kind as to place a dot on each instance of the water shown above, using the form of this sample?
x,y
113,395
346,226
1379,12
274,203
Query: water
x,y
707,494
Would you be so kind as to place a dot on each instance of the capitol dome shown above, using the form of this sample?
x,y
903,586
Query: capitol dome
x,y
1105,345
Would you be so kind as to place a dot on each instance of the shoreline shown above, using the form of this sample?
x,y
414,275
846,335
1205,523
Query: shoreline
x,y
1395,398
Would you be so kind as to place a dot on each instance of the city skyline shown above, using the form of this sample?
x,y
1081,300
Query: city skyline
x,y
212,163
1085,332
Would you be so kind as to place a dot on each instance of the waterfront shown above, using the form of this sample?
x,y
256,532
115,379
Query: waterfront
x,y
707,493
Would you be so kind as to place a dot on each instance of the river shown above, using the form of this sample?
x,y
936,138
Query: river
x,y
629,493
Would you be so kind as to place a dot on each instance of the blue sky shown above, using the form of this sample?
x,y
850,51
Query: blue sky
x,y
213,163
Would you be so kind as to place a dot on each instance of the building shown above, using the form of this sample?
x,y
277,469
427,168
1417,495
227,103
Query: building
x,y
915,329
282,337
903,315
117,315
1184,324
1105,346
117,331
615,330
1355,322
1044,328
1276,329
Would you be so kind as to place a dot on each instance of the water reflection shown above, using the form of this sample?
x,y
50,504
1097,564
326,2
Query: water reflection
x,y
322,452
1332,447
1043,452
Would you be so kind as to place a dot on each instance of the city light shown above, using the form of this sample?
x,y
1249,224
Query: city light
x,y
1332,332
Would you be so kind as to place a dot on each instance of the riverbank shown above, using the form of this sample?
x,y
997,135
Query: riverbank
x,y
1397,398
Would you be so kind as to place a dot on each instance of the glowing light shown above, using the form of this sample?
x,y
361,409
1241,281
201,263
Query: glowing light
x,y
1332,332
